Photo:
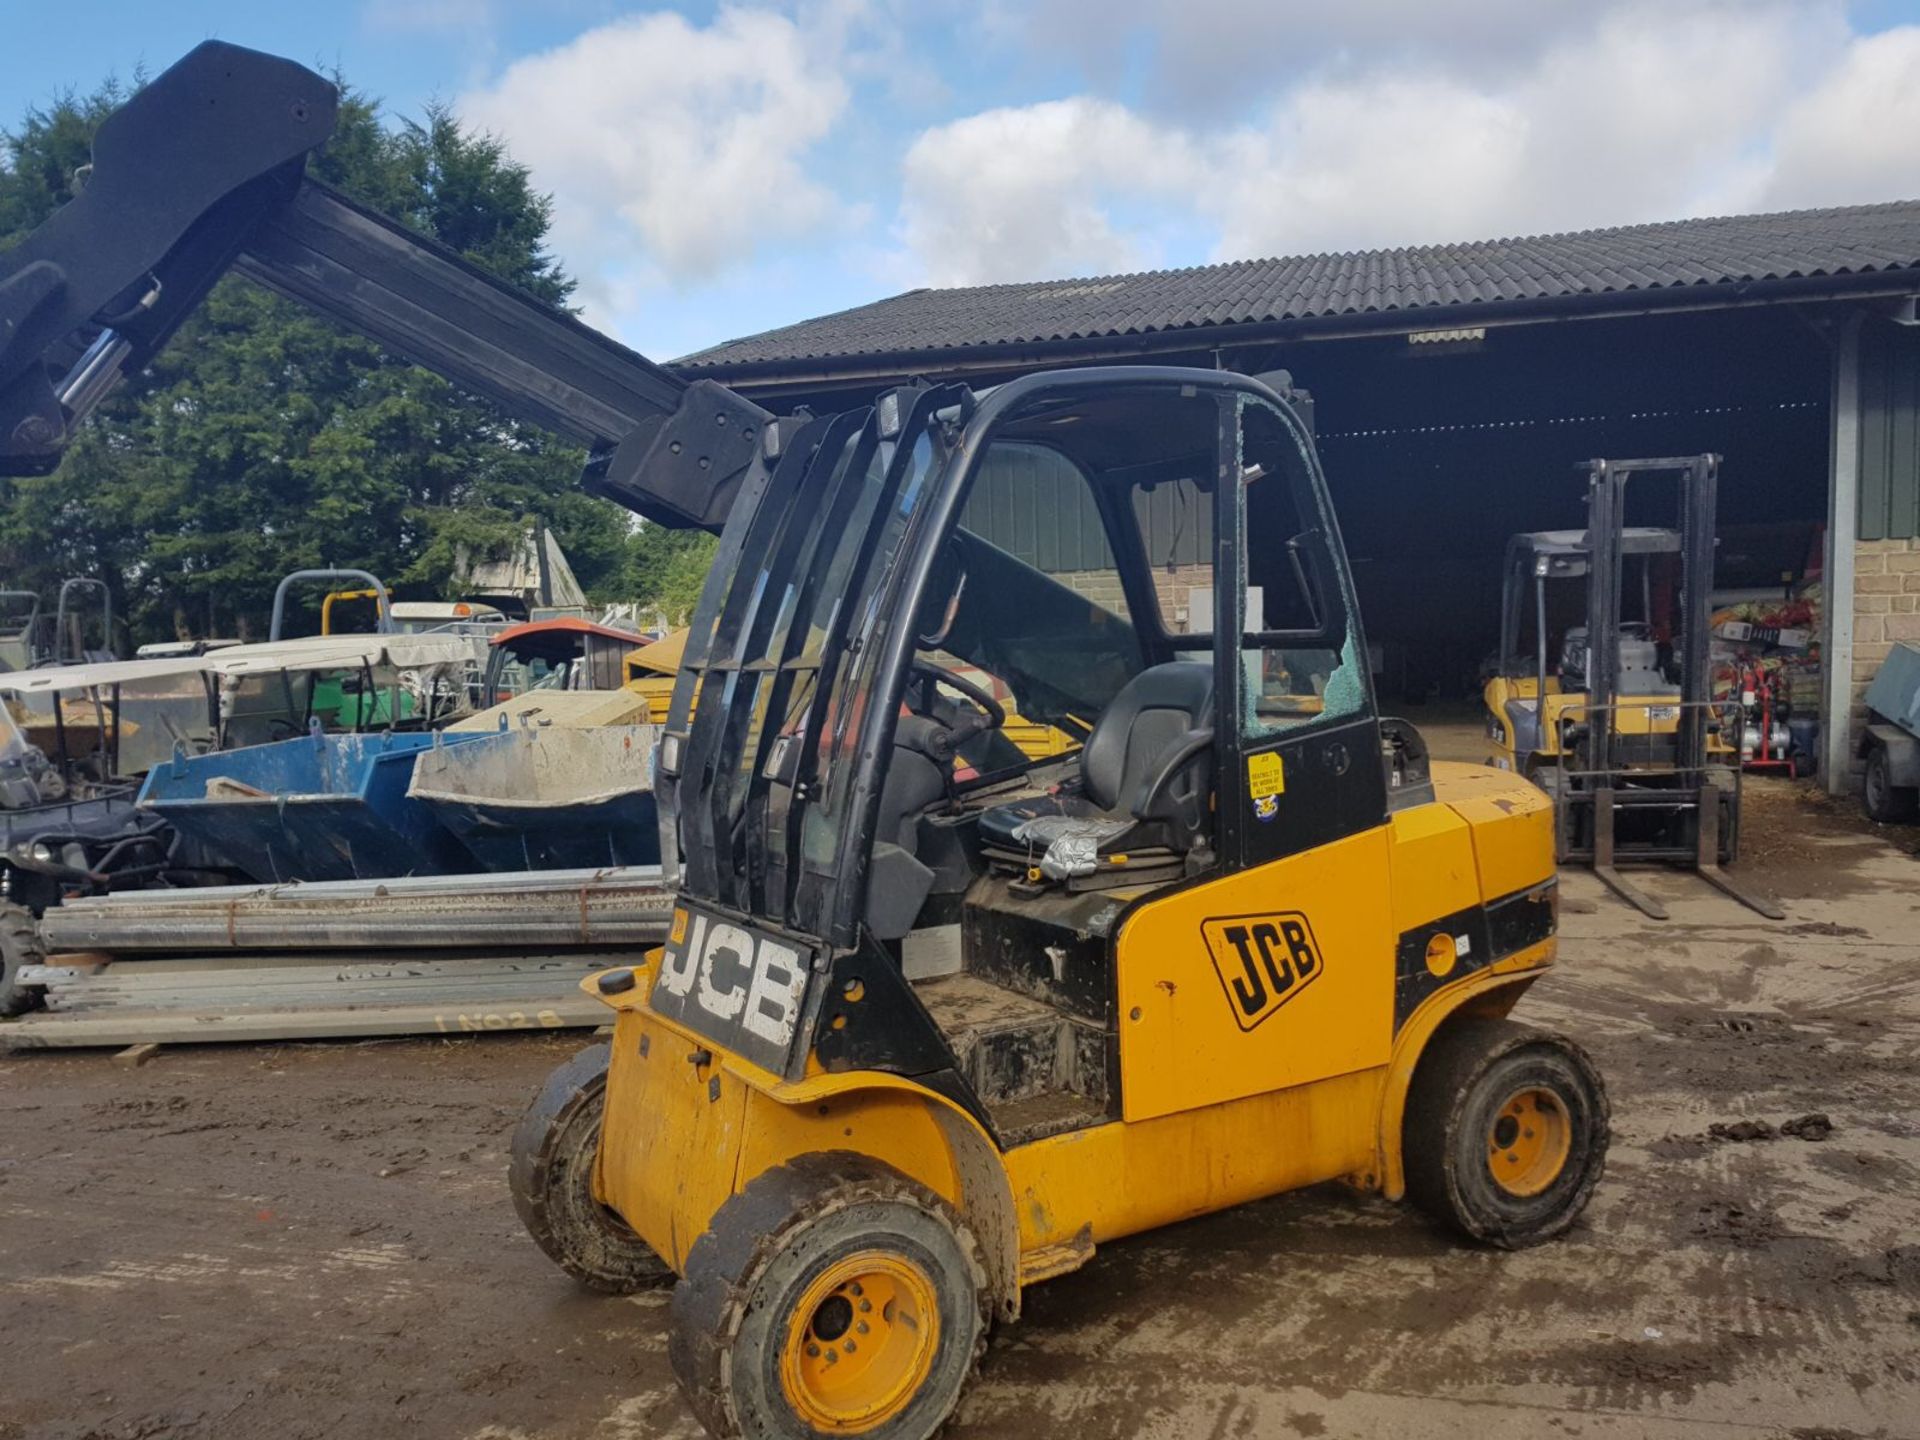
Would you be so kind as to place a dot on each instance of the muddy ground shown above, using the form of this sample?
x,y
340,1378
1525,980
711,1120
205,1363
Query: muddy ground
x,y
316,1240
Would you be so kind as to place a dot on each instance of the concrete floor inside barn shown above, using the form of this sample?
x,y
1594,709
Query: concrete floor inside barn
x,y
317,1241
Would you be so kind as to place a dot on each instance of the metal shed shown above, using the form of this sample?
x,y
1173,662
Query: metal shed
x,y
1457,386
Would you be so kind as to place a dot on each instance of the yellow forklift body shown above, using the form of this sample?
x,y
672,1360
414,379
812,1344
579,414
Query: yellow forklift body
x,y
1633,715
1182,1048
1213,1113
686,1127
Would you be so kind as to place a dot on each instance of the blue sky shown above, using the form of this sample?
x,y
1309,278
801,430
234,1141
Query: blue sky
x,y
719,170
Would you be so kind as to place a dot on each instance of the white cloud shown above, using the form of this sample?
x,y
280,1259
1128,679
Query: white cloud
x,y
1016,192
1644,117
672,151
1639,111
1855,136
1206,58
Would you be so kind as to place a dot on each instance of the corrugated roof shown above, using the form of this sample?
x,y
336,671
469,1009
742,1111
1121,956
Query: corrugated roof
x,y
1317,291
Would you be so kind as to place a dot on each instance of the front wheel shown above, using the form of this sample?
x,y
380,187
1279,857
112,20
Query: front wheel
x,y
1506,1132
551,1177
831,1296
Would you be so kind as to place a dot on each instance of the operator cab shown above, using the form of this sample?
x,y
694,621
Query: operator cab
x,y
1545,644
1063,554
1536,608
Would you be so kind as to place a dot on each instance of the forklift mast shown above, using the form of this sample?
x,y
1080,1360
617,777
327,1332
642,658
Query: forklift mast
x,y
204,171
1606,532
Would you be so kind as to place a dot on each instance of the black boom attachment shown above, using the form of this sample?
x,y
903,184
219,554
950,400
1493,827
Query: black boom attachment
x,y
203,171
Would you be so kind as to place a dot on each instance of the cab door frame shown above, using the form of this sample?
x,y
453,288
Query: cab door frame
x,y
1331,772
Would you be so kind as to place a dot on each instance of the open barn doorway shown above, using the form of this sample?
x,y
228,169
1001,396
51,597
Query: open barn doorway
x,y
1440,447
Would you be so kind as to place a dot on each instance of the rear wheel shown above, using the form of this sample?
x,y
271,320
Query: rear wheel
x,y
551,1177
832,1296
19,946
1883,800
1506,1132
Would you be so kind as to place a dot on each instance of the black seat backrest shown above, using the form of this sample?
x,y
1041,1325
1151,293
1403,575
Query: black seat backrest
x,y
1150,715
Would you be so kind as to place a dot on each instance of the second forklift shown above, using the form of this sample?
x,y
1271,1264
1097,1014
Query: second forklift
x,y
1615,717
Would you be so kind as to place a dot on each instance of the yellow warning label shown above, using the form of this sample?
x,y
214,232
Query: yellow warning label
x,y
1265,776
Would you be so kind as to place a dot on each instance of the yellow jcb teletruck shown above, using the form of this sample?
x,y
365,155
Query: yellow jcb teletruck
x,y
925,1035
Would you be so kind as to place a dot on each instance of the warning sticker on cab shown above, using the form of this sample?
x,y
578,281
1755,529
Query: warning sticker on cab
x,y
1265,776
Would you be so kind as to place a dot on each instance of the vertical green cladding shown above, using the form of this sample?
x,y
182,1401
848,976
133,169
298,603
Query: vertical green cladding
x,y
1889,431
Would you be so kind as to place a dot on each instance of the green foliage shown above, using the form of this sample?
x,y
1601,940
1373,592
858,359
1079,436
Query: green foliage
x,y
264,439
668,567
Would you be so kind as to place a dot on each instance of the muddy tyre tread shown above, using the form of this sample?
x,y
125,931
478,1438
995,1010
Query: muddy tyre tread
x,y
19,945
749,1231
1884,802
546,1178
1447,1086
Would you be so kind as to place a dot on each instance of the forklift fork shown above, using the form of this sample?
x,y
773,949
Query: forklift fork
x,y
1603,866
1707,857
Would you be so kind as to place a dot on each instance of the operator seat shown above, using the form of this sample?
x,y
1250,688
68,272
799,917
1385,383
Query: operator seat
x,y
1636,663
1157,712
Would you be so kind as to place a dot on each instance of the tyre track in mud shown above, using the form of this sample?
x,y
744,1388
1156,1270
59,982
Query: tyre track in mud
x,y
317,1240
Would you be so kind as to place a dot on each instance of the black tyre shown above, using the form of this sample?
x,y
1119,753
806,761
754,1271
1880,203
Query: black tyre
x,y
19,945
1506,1132
1884,801
552,1181
1553,780
832,1296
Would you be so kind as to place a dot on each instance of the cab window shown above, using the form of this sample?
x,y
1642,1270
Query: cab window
x,y
1299,654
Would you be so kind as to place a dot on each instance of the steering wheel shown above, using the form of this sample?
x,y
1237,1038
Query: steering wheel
x,y
988,713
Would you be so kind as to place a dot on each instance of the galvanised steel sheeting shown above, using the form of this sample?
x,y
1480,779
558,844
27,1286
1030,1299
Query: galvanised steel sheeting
x,y
543,908
1889,432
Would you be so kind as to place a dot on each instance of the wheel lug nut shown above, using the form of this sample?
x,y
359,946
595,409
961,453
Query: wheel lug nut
x,y
866,1305
855,1287
832,1357
861,1327
813,1352
850,1347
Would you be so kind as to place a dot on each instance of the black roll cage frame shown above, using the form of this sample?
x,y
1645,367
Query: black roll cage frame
x,y
696,747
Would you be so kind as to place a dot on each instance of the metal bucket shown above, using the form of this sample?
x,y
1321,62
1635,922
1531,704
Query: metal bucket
x,y
547,797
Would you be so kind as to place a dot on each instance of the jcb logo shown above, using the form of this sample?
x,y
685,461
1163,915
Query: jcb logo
x,y
1263,961
732,984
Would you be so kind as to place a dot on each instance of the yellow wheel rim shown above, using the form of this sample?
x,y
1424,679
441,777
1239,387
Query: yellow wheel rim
x,y
1529,1141
860,1343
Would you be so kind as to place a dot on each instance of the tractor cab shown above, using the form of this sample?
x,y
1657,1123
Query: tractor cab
x,y
561,653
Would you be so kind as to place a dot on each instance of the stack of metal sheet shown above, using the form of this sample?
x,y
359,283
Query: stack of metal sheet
x,y
435,955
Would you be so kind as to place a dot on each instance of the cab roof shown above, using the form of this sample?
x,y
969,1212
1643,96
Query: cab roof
x,y
53,679
336,652
566,625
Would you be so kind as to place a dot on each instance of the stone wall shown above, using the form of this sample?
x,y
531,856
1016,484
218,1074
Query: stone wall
x,y
1175,585
1886,608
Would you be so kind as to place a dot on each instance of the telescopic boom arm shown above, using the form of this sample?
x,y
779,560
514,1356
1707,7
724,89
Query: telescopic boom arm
x,y
203,171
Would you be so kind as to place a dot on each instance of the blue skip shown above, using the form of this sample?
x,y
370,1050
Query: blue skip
x,y
322,807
